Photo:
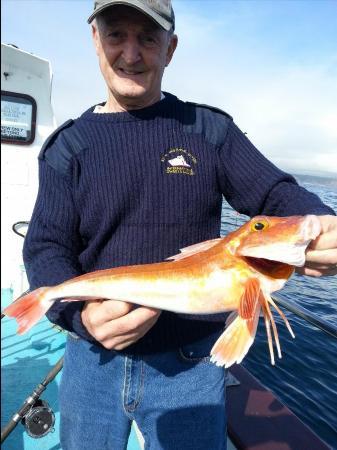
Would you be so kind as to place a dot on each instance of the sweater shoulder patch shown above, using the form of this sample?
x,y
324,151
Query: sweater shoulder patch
x,y
64,143
211,108
207,120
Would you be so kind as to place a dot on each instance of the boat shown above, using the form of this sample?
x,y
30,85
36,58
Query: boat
x,y
27,119
32,364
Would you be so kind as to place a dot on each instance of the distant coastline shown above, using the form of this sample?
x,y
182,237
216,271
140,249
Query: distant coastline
x,y
329,180
316,173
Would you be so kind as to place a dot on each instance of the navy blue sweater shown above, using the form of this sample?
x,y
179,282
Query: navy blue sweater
x,y
140,186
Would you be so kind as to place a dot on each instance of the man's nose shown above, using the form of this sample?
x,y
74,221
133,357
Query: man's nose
x,y
131,51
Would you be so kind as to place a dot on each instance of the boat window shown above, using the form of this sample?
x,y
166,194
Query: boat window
x,y
18,118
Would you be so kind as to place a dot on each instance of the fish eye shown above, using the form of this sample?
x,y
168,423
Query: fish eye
x,y
260,225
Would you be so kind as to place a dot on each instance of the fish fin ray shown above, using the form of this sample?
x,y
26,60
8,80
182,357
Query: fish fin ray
x,y
269,336
193,249
230,319
274,328
234,343
271,301
265,299
249,298
29,309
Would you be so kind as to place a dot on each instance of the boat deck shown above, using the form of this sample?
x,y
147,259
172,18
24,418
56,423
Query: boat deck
x,y
25,362
257,420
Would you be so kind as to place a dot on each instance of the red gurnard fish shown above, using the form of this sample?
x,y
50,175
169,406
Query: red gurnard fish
x,y
236,273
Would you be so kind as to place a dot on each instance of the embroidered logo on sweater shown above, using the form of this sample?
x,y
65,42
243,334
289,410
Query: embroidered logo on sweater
x,y
179,161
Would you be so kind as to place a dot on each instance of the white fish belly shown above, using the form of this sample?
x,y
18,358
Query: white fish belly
x,y
219,292
166,294
215,293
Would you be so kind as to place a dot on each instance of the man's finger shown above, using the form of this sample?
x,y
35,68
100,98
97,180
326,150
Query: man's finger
x,y
99,312
113,309
325,241
121,344
318,266
132,322
135,319
316,272
322,256
121,332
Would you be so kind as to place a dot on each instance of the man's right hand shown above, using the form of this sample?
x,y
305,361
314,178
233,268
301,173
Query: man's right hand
x,y
115,324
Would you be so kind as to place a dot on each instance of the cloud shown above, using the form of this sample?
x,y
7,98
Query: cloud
x,y
287,107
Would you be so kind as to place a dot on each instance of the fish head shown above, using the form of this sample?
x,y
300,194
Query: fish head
x,y
275,245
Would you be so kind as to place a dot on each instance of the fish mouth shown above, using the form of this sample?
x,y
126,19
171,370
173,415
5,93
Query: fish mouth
x,y
292,255
266,266
270,255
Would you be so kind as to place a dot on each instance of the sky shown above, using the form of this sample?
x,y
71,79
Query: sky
x,y
270,64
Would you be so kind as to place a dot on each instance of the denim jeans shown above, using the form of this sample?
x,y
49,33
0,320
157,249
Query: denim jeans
x,y
177,398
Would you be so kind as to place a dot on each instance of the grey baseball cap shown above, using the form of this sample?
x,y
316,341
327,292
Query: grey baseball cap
x,y
159,10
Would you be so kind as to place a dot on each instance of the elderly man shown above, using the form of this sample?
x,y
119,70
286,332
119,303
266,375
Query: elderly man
x,y
132,181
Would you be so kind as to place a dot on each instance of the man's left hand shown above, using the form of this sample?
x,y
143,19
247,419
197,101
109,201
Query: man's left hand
x,y
321,255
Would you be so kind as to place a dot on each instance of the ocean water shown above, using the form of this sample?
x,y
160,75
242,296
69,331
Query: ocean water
x,y
305,379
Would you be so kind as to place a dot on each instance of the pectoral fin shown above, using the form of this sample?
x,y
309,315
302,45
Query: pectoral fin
x,y
234,343
249,299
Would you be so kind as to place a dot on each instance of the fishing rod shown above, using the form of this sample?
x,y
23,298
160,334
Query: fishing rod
x,y
35,414
306,315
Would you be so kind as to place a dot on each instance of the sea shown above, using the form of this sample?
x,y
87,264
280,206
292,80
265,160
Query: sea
x,y
305,379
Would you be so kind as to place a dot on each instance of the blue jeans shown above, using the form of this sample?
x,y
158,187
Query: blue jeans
x,y
177,398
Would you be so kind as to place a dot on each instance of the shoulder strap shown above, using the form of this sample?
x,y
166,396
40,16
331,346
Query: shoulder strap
x,y
209,121
212,108
51,138
65,142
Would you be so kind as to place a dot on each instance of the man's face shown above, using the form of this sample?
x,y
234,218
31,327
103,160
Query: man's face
x,y
133,52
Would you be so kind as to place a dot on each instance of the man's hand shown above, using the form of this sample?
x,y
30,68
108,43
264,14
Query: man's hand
x,y
117,325
321,256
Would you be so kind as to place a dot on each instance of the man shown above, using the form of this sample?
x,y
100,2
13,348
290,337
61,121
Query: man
x,y
132,181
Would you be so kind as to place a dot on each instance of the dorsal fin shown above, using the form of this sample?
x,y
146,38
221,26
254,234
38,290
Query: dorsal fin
x,y
195,248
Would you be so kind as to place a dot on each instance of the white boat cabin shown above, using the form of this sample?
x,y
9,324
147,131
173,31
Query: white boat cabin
x,y
27,119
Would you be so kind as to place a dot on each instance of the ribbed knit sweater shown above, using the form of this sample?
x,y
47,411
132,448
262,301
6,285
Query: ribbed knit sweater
x,y
145,184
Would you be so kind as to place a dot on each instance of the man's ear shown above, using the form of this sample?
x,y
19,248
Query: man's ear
x,y
171,48
95,37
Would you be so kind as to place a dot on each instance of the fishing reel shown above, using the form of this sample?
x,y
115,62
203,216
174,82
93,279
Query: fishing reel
x,y
39,420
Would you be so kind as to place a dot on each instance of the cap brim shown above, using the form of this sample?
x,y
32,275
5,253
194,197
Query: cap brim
x,y
161,21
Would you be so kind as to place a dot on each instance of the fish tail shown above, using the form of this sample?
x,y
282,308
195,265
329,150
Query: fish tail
x,y
234,343
29,309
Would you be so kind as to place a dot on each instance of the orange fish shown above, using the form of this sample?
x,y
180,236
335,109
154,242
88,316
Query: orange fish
x,y
236,273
